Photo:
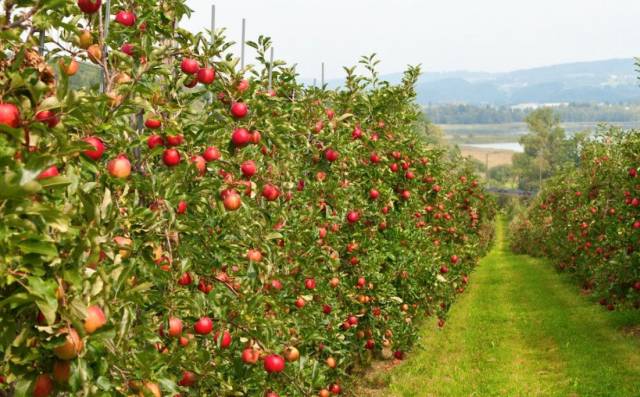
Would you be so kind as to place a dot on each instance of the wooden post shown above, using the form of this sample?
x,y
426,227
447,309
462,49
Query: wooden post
x,y
244,28
271,71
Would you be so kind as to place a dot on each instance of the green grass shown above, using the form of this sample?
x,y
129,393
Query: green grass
x,y
522,330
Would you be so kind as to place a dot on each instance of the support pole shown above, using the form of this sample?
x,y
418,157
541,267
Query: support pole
x,y
41,43
271,71
322,77
213,22
105,49
244,29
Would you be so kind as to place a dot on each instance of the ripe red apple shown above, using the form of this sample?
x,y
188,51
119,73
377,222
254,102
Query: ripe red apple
x,y
206,75
243,85
334,282
128,49
61,371
171,157
310,283
98,150
276,284
153,123
239,110
370,344
240,137
211,154
43,386
255,138
182,207
300,303
254,255
200,163
374,158
89,6
185,279
120,167
225,342
203,326
393,167
357,133
444,269
175,327
454,259
95,319
248,168
335,389
250,356
47,117
126,18
331,155
72,346
154,140
270,192
353,216
326,309
188,379
633,172
373,194
48,173
174,140
274,363
231,200
189,66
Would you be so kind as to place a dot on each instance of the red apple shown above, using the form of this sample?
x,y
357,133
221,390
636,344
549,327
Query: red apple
x,y
254,255
270,192
206,75
353,216
225,342
175,327
274,363
128,49
72,346
171,157
188,379
310,283
47,117
211,154
248,168
189,66
154,140
243,85
126,18
120,167
95,319
240,137
43,386
89,6
231,200
174,140
335,389
61,371
182,207
203,326
48,173
373,194
239,110
96,153
153,123
185,279
331,155
250,356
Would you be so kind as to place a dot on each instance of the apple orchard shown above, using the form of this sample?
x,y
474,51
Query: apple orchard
x,y
185,230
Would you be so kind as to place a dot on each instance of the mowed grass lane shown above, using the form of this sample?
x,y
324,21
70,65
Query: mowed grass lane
x,y
521,329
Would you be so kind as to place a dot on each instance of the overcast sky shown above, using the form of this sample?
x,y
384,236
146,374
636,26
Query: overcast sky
x,y
442,35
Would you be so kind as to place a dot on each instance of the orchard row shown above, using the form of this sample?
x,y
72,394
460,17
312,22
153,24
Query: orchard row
x,y
188,231
587,219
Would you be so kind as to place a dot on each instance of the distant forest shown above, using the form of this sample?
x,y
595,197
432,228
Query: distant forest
x,y
473,114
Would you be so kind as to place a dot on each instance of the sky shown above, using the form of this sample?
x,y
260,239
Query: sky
x,y
442,35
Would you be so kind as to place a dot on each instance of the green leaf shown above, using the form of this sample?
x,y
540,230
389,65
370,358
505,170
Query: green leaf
x,y
44,293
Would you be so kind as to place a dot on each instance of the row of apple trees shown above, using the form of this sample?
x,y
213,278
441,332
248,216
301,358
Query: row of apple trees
x,y
587,219
183,229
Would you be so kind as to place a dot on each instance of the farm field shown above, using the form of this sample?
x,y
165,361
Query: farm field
x,y
520,330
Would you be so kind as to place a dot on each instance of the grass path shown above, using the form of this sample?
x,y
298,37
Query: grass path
x,y
521,330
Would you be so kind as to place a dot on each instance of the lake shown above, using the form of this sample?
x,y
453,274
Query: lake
x,y
513,146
